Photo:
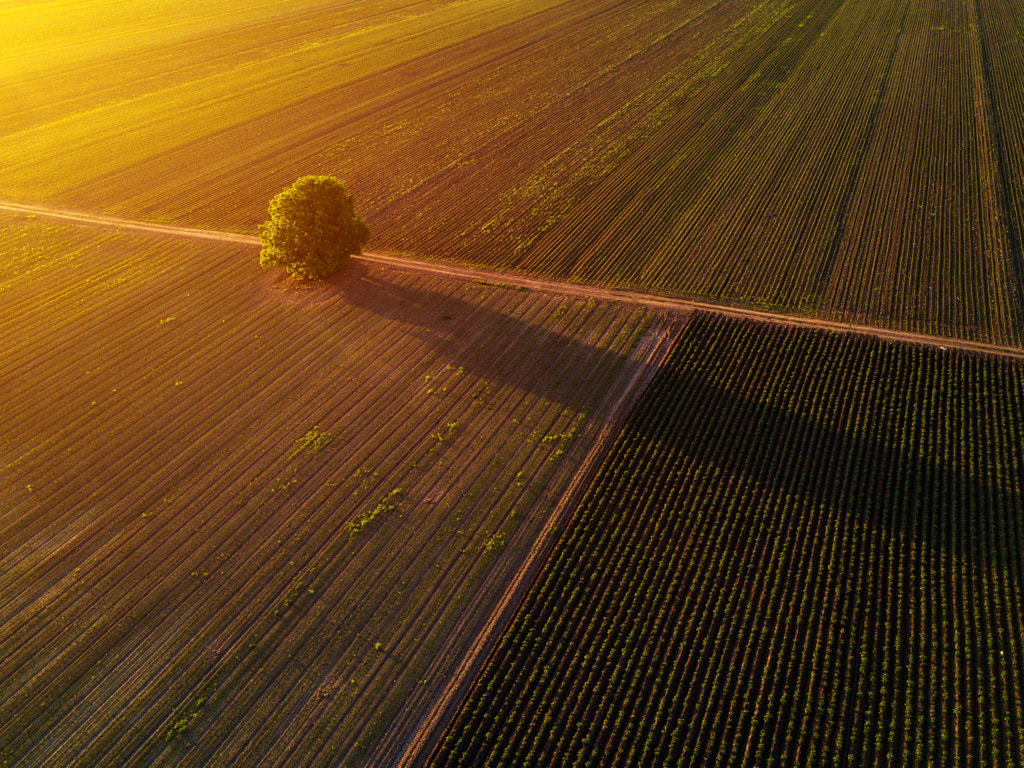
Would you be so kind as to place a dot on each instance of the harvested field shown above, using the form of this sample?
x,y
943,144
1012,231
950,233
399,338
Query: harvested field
x,y
844,159
804,549
245,523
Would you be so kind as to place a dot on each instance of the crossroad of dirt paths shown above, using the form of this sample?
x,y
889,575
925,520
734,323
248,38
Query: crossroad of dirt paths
x,y
415,746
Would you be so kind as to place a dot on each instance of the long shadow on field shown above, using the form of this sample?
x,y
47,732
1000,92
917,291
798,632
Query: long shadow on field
x,y
917,447
486,342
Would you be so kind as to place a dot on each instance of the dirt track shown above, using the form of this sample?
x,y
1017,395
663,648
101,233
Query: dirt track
x,y
649,354
413,750
537,284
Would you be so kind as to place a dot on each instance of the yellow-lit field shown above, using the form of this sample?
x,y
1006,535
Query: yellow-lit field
x,y
837,158
472,125
201,115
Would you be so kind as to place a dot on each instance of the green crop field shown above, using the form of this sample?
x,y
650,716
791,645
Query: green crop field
x,y
804,549
845,159
243,522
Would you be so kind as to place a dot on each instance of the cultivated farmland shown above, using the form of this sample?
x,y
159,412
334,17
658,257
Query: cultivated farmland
x,y
847,159
249,522
804,549
245,523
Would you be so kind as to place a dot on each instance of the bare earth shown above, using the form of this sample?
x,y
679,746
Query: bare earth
x,y
166,536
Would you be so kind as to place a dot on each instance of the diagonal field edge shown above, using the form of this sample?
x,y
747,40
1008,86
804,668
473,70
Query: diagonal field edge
x,y
650,352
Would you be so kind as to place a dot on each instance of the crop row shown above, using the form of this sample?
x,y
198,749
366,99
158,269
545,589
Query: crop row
x,y
804,549
848,159
846,166
926,244
1000,64
233,528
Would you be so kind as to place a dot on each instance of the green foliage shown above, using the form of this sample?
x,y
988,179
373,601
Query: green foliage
x,y
313,228
312,442
495,543
562,438
502,285
181,725
447,432
388,503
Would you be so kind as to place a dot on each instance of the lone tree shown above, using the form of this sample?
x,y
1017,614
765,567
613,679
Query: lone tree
x,y
313,228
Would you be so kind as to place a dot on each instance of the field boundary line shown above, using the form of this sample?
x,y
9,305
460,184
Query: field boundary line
x,y
504,279
650,351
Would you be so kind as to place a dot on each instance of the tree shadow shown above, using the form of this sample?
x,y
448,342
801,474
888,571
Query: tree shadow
x,y
536,355
904,471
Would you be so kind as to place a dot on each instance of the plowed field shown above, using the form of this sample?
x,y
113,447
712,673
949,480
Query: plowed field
x,y
244,523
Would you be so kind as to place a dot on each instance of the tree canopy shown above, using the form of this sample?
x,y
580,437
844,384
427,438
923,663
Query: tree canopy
x,y
313,228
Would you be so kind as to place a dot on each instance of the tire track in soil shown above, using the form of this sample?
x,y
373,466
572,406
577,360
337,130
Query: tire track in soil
x,y
1007,204
825,273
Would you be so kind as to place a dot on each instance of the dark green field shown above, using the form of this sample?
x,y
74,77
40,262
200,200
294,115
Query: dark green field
x,y
804,549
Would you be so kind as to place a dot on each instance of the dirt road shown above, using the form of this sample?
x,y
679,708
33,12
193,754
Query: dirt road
x,y
532,283
649,354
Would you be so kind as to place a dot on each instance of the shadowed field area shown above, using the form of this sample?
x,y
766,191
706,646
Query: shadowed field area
x,y
804,549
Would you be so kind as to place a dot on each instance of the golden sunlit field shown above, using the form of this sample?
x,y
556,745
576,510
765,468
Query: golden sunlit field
x,y
755,153
265,522
202,117
415,514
